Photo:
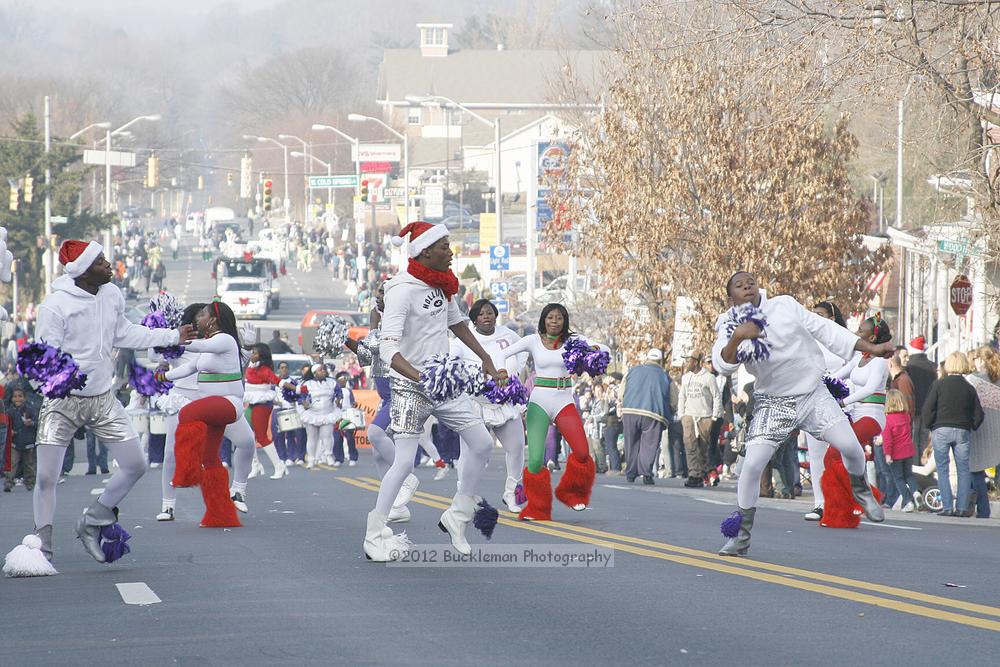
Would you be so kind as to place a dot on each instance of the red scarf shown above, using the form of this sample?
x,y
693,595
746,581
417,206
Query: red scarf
x,y
446,281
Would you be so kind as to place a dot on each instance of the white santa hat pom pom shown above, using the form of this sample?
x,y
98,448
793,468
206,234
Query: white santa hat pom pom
x,y
397,240
27,559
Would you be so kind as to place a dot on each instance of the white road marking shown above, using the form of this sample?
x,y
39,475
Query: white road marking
x,y
890,525
96,492
713,502
137,593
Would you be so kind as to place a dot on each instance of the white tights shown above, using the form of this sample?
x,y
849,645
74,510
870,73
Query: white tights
x,y
511,437
383,450
476,445
319,440
817,450
241,435
759,451
131,467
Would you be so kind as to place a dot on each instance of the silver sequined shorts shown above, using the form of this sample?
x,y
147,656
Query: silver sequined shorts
x,y
103,414
775,417
410,409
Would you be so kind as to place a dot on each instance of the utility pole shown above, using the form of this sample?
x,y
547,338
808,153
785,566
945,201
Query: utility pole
x,y
48,203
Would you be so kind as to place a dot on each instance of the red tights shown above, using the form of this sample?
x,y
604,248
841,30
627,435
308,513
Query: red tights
x,y
216,413
260,420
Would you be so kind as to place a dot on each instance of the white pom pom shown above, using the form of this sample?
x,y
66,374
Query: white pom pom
x,y
27,560
397,240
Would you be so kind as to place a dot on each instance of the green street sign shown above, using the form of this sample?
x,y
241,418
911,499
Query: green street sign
x,y
958,248
339,181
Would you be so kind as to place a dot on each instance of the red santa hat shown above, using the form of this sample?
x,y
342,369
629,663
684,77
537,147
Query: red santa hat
x,y
917,346
77,256
422,236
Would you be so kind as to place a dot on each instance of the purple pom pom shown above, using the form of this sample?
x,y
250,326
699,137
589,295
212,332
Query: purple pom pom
x,y
446,377
114,541
596,362
485,519
731,525
520,497
513,392
575,350
54,370
837,387
169,310
144,381
291,394
158,319
155,320
756,349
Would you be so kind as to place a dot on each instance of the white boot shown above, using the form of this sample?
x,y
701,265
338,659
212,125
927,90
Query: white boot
x,y
399,514
380,547
279,467
407,490
509,497
456,518
256,469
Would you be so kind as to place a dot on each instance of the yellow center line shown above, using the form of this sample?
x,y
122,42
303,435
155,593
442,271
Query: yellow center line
x,y
711,561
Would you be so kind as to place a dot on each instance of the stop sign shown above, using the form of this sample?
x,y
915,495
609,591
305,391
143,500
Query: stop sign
x,y
961,295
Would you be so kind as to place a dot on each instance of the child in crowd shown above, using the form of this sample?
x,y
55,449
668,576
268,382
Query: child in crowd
x,y
23,420
897,443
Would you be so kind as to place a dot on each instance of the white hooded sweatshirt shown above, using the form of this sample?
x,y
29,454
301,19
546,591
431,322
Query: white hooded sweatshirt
x,y
796,365
416,321
89,327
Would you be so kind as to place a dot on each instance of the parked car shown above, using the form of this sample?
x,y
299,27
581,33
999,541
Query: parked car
x,y
558,290
458,222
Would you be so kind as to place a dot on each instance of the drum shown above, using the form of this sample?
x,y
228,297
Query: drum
x,y
288,420
355,416
140,421
157,423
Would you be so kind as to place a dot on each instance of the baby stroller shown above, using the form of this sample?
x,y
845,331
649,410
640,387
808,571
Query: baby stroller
x,y
929,490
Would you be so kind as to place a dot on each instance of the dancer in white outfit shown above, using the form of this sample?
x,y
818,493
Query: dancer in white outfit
x,y
84,316
505,421
789,393
420,308
817,448
319,414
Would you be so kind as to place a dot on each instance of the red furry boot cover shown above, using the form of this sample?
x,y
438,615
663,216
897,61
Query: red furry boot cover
x,y
220,512
189,443
577,481
538,488
840,510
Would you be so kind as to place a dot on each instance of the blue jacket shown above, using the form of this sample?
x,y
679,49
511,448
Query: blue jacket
x,y
646,392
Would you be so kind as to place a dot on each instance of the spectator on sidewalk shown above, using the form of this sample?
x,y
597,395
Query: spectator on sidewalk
x,y
97,454
699,404
22,419
923,374
277,345
951,412
159,275
645,412
900,380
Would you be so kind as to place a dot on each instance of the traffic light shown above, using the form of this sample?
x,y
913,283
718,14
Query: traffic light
x,y
13,197
229,178
153,172
29,183
201,182
267,194
364,191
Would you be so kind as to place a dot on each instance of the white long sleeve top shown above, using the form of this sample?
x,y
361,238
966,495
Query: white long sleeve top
x,y
548,363
89,327
416,320
865,380
699,396
796,364
217,355
494,344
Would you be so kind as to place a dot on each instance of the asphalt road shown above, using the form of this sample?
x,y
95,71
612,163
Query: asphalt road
x,y
292,586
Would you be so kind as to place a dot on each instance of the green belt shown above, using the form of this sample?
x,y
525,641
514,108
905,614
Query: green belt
x,y
554,383
219,377
874,398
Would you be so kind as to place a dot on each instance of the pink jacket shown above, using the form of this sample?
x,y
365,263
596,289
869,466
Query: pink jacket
x,y
897,441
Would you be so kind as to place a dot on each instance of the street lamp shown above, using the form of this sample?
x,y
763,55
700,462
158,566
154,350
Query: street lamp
x,y
329,170
284,150
495,124
107,155
357,151
103,125
49,268
359,118
305,170
899,149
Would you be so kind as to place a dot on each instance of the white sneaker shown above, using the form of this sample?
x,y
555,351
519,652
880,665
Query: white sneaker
x,y
336,464
299,462
351,464
909,507
239,499
441,473
429,463
289,463
166,515
154,466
